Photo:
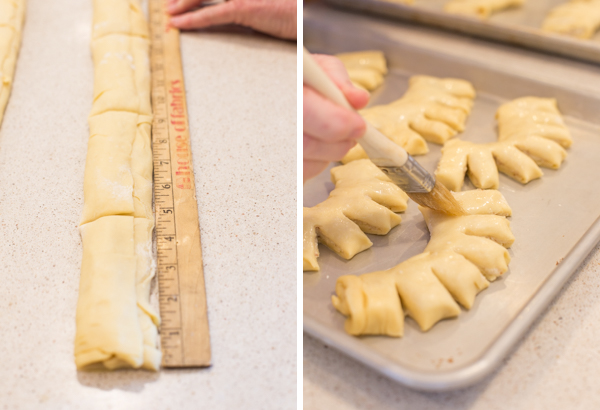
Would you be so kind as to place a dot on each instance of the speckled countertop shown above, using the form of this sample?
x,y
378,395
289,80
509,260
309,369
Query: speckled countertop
x,y
556,364
242,106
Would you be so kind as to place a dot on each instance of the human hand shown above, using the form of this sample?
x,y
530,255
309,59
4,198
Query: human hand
x,y
330,130
273,17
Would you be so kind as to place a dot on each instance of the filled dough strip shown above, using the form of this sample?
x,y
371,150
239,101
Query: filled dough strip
x,y
364,200
482,9
464,253
432,109
578,18
12,18
532,134
366,69
116,325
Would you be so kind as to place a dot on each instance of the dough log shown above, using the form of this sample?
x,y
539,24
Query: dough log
x,y
116,325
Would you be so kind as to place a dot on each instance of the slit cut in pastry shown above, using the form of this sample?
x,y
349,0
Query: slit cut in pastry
x,y
12,18
577,18
432,109
463,255
116,324
364,200
482,9
366,69
532,134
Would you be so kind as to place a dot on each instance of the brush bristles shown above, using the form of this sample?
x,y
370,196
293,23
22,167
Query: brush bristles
x,y
439,199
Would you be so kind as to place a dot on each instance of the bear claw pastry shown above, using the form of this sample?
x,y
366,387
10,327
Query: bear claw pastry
x,y
463,255
479,8
364,200
432,109
577,18
532,134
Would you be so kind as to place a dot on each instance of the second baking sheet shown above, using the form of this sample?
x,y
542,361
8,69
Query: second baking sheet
x,y
554,217
521,26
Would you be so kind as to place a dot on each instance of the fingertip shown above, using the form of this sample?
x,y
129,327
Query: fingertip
x,y
358,98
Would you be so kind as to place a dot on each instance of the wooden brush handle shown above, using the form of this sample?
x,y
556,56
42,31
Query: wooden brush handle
x,y
378,147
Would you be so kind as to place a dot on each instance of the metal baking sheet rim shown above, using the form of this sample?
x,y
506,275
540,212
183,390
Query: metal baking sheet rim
x,y
536,39
489,361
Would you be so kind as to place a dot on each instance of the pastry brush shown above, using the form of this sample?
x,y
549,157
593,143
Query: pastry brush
x,y
392,159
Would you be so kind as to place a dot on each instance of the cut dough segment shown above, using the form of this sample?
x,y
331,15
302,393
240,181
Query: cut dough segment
x,y
365,68
108,180
116,324
12,18
480,8
422,294
122,73
480,202
527,116
432,109
375,304
532,134
364,199
577,18
464,252
108,329
119,17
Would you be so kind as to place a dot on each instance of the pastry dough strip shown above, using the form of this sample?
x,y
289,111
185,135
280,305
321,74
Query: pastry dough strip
x,y
12,18
116,325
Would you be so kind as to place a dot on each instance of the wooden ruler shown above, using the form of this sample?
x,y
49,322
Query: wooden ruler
x,y
184,331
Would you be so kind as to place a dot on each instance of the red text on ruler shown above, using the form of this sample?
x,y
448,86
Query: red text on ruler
x,y
182,148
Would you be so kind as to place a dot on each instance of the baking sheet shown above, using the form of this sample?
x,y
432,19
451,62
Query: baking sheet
x,y
520,26
555,222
